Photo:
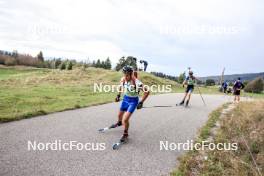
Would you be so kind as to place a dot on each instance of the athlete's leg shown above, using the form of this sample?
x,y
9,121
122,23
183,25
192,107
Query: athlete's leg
x,y
120,115
189,92
238,96
125,122
189,96
188,99
126,118
186,93
183,100
235,98
132,107
119,120
123,108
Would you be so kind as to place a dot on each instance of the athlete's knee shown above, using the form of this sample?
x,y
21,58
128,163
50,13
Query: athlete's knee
x,y
125,120
120,114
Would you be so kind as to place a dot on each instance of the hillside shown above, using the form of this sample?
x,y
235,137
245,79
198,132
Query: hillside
x,y
231,78
27,91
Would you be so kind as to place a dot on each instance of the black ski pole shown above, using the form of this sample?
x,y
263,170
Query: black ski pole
x,y
201,95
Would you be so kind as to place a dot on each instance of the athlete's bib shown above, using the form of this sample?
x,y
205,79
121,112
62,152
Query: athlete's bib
x,y
190,81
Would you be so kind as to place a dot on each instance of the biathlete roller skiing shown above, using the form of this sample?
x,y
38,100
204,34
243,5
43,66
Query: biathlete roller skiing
x,y
131,87
189,81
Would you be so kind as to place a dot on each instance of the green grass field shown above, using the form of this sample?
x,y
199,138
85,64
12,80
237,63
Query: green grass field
x,y
26,92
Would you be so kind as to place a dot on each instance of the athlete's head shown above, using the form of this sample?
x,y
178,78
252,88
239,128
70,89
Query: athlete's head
x,y
239,78
128,72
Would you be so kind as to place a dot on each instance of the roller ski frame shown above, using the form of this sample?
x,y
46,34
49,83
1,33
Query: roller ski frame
x,y
117,145
102,130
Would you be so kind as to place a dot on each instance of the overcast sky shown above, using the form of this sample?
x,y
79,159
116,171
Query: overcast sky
x,y
171,35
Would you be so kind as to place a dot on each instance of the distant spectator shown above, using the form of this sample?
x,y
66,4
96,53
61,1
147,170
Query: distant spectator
x,y
238,85
145,63
224,86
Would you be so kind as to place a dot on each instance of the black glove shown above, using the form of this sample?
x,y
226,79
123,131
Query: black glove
x,y
140,105
183,85
117,99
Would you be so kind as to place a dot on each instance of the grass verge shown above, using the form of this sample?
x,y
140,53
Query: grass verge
x,y
243,125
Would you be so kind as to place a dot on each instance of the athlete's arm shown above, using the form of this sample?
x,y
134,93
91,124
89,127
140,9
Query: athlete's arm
x,y
145,93
145,96
195,80
119,90
145,90
235,84
184,82
243,86
117,99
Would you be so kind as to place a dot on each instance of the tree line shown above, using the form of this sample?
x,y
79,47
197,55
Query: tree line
x,y
14,58
162,75
102,64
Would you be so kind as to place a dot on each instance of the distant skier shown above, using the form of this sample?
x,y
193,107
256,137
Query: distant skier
x,y
238,85
189,81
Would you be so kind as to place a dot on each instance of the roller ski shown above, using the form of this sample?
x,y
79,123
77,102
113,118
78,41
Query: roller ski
x,y
102,130
186,105
180,104
122,141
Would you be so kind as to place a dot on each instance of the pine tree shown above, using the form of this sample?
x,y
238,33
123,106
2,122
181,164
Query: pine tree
x,y
108,64
62,66
69,65
98,64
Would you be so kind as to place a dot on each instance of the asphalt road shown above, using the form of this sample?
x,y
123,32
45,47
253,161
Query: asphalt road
x,y
140,156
